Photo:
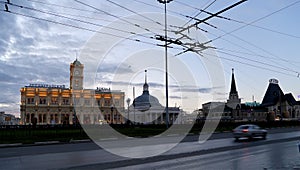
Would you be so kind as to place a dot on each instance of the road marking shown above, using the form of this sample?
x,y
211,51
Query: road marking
x,y
173,135
247,156
104,139
46,142
12,144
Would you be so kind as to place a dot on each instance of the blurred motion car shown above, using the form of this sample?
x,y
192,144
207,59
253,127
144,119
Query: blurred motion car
x,y
249,131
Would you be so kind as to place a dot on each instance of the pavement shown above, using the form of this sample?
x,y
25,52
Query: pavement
x,y
216,135
73,159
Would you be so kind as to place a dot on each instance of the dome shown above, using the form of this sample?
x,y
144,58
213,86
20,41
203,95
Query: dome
x,y
145,101
76,63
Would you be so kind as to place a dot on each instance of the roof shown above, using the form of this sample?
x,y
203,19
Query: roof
x,y
257,108
272,95
76,63
290,99
145,101
233,86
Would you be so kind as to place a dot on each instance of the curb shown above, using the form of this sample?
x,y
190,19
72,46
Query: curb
x,y
43,143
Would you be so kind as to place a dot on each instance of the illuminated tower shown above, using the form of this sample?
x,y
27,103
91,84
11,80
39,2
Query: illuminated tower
x,y
76,75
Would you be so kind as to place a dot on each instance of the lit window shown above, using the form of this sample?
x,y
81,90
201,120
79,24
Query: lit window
x,y
54,100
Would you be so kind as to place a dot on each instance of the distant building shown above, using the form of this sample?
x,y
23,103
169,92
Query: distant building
x,y
279,104
146,109
8,119
234,101
225,110
233,109
57,104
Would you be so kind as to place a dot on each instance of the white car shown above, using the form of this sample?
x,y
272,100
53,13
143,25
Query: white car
x,y
249,131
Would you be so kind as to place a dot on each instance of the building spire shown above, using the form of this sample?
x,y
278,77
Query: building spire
x,y
234,101
233,86
145,76
145,87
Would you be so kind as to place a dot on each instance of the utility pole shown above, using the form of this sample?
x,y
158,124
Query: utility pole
x,y
166,60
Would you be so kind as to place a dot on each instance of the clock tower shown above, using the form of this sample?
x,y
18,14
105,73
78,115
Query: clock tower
x,y
76,75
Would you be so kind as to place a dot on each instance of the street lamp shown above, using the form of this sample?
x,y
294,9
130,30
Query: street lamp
x,y
112,114
166,60
128,102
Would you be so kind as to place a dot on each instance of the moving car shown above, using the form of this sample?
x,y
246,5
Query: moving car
x,y
249,131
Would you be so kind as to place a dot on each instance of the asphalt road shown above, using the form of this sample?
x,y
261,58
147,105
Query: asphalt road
x,y
89,156
86,146
283,156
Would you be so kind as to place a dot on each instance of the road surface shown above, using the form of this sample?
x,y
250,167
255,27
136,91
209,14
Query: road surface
x,y
284,155
220,148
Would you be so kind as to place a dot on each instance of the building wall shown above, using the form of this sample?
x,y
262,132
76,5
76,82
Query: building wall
x,y
56,104
8,119
59,105
286,110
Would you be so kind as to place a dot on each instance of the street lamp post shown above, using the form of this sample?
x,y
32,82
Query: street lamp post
x,y
112,114
166,60
128,102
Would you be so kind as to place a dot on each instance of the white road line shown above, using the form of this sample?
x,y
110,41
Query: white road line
x,y
108,139
173,135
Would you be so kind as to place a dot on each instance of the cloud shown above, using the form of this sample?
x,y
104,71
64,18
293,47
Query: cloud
x,y
177,97
33,51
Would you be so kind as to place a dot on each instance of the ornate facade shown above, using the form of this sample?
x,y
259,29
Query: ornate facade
x,y
56,104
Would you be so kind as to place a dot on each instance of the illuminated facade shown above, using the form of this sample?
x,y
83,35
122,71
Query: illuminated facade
x,y
56,104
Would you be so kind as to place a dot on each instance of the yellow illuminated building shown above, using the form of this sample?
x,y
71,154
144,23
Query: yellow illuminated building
x,y
56,104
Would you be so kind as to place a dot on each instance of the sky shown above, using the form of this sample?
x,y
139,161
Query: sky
x,y
115,40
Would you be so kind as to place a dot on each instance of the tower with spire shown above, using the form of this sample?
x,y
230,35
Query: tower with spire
x,y
234,101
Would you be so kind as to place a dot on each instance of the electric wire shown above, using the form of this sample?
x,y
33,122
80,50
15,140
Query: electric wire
x,y
206,7
123,7
125,37
261,18
230,33
259,62
77,9
87,29
248,64
74,19
115,16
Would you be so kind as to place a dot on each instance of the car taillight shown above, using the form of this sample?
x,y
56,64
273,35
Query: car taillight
x,y
245,130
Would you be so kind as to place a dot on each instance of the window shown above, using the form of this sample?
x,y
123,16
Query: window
x,y
76,83
54,100
65,101
87,101
30,100
107,102
99,102
117,102
76,101
43,100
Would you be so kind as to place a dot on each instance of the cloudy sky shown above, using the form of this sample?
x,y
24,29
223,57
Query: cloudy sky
x,y
115,40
